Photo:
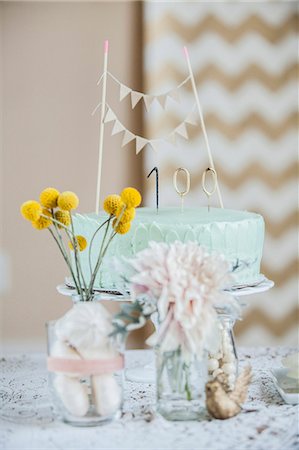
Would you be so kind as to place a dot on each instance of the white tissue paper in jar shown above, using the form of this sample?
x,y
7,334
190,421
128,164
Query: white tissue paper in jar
x,y
86,326
73,395
107,394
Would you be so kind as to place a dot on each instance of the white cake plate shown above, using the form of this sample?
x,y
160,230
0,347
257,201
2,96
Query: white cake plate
x,y
147,374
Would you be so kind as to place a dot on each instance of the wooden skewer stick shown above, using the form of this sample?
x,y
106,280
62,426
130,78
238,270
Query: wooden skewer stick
x,y
202,122
102,125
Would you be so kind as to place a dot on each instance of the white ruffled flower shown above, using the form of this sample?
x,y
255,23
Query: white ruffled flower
x,y
187,284
86,326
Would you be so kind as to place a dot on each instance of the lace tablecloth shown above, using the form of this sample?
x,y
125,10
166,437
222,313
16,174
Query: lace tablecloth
x,y
27,421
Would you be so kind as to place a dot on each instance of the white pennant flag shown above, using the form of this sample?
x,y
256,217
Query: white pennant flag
x,y
148,100
109,116
128,137
175,95
192,118
162,100
181,130
135,97
140,143
123,91
118,128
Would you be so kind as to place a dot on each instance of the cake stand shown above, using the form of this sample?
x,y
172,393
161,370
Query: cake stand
x,y
147,373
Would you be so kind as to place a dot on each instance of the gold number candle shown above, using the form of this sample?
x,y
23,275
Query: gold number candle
x,y
214,186
175,183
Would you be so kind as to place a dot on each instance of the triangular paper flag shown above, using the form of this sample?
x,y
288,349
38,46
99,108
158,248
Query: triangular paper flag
x,y
123,91
175,95
140,144
109,116
148,100
118,128
135,97
192,118
162,100
128,137
182,130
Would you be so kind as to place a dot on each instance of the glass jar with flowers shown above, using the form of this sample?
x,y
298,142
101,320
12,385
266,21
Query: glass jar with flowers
x,y
186,284
85,346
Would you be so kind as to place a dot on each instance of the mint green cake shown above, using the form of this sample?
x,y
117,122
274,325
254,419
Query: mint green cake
x,y
238,235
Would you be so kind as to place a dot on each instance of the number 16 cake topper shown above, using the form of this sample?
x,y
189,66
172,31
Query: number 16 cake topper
x,y
107,115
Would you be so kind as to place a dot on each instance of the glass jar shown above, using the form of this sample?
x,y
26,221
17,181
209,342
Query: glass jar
x,y
180,384
86,386
224,362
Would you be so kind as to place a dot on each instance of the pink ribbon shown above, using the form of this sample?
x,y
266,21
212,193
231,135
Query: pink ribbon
x,y
85,366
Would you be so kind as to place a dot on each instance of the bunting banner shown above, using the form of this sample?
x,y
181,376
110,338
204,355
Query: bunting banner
x,y
148,99
140,141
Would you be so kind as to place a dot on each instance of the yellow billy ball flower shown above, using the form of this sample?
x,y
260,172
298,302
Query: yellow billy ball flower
x,y
48,197
112,203
68,200
131,197
82,243
121,228
63,217
31,210
43,222
125,216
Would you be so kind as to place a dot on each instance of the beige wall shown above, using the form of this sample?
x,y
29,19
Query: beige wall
x,y
52,56
1,175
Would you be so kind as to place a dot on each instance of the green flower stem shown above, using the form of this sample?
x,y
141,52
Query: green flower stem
x,y
103,250
79,262
75,245
92,280
91,242
63,249
100,260
56,221
65,258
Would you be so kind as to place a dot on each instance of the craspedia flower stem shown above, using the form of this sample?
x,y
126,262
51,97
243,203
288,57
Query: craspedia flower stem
x,y
77,260
61,247
99,260
92,240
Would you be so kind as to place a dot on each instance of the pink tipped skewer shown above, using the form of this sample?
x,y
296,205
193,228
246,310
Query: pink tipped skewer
x,y
101,138
106,46
186,52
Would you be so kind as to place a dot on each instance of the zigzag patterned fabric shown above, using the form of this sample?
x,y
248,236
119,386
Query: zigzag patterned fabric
x,y
244,57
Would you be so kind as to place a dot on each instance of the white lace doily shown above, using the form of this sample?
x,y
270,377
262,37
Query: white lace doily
x,y
27,422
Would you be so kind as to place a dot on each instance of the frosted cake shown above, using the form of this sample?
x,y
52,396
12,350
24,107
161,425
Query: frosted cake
x,y
238,235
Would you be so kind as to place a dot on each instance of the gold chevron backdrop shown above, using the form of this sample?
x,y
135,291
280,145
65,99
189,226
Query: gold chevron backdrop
x,y
244,57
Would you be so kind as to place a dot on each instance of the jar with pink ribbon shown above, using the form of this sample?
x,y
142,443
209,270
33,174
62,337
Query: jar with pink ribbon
x,y
85,364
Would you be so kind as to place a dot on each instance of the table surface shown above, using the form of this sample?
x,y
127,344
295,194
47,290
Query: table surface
x,y
27,422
